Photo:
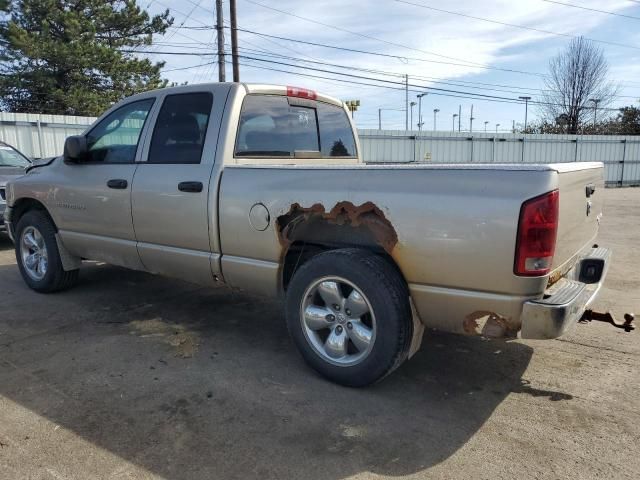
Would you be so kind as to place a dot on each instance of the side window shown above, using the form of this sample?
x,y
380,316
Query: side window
x,y
115,138
180,130
336,135
270,127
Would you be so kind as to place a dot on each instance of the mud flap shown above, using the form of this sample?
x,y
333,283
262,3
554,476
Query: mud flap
x,y
69,262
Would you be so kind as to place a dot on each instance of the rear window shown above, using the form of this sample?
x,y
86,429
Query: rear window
x,y
271,127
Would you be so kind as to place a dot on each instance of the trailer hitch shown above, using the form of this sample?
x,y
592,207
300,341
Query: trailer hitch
x,y
608,317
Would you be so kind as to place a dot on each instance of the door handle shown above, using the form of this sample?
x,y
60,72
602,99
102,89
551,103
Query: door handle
x,y
190,187
118,183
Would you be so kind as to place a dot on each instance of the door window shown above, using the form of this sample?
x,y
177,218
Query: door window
x,y
180,130
115,138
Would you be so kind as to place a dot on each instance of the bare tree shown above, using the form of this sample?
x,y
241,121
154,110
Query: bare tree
x,y
577,85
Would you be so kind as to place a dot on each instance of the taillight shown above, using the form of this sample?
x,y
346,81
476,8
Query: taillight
x,y
537,232
301,93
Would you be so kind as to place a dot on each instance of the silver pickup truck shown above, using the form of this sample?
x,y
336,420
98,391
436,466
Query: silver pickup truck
x,y
262,188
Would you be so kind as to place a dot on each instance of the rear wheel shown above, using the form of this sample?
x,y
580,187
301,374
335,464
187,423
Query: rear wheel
x,y
37,254
349,315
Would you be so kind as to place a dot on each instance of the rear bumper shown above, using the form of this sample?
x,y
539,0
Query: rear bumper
x,y
564,302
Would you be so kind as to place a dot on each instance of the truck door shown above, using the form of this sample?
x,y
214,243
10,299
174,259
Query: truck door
x,y
171,189
92,199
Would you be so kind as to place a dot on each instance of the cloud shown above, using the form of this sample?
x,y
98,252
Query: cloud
x,y
410,31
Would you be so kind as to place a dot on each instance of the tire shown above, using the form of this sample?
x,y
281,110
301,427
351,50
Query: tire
x,y
333,341
36,240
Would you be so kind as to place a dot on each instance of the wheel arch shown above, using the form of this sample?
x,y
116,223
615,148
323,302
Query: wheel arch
x,y
26,204
306,231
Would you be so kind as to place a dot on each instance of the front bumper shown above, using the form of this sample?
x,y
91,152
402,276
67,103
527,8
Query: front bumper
x,y
565,301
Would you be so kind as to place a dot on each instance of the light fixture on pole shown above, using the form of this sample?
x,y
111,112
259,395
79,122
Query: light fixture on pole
x,y
526,109
595,101
485,125
497,125
419,96
453,123
352,105
435,112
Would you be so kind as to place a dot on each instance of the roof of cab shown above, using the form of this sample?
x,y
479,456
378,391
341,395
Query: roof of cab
x,y
282,90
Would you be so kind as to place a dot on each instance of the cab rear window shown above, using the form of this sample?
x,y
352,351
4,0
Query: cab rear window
x,y
271,127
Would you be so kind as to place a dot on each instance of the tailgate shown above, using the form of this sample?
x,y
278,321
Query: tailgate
x,y
581,188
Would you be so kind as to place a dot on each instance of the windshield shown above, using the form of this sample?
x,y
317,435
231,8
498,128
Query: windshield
x,y
10,157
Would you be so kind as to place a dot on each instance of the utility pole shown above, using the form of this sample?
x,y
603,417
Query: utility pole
x,y
459,116
595,101
234,40
471,119
526,109
220,30
485,125
420,95
435,112
406,102
412,104
453,123
513,126
379,119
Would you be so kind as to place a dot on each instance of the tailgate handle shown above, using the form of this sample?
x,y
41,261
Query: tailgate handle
x,y
194,187
590,190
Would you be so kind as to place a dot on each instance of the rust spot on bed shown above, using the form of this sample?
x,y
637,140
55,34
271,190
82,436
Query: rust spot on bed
x,y
364,223
489,324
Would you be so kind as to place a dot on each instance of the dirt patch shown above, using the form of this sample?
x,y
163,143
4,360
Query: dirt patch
x,y
184,342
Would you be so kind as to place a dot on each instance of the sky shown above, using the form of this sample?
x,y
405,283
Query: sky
x,y
448,54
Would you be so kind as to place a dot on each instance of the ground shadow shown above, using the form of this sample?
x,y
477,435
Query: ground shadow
x,y
202,383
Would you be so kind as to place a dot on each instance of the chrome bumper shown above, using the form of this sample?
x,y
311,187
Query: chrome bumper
x,y
565,301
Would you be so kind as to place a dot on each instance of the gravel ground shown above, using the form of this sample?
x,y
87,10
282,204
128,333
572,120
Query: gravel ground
x,y
130,376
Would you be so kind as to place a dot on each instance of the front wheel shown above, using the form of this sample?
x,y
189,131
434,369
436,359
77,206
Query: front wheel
x,y
37,254
348,313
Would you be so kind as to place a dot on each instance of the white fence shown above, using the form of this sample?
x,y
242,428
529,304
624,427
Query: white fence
x,y
43,136
620,154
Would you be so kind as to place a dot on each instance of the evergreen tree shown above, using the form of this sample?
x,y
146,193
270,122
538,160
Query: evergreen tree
x,y
75,57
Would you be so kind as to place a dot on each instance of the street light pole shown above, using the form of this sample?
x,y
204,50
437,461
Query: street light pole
x,y
412,104
420,95
471,119
379,119
435,112
595,101
497,125
526,108
406,102
485,126
453,123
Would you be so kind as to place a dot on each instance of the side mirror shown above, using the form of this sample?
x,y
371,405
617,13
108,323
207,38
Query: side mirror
x,y
75,149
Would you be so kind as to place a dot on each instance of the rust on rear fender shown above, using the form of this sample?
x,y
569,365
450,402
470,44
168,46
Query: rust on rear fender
x,y
366,222
490,325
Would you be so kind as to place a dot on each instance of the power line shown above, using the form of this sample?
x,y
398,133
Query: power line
x,y
370,37
592,9
436,80
388,55
539,30
432,90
